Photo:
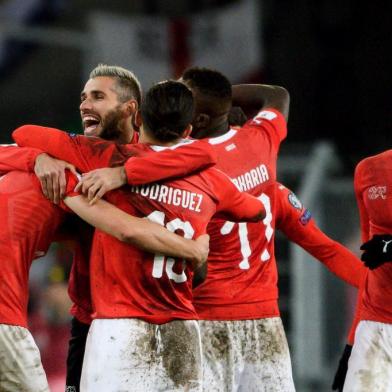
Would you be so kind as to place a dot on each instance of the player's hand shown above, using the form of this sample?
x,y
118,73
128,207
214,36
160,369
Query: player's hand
x,y
203,247
377,251
340,375
51,173
96,183
237,116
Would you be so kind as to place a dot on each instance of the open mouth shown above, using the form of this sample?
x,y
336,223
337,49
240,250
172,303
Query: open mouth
x,y
90,124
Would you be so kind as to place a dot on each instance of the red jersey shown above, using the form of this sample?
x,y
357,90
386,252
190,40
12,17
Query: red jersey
x,y
125,281
139,170
29,221
13,157
242,275
296,222
373,190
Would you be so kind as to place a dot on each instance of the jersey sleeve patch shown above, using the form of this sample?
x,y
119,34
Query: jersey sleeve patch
x,y
305,217
268,115
294,201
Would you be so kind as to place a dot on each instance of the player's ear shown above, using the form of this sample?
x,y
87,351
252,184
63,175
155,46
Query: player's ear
x,y
131,107
137,120
202,120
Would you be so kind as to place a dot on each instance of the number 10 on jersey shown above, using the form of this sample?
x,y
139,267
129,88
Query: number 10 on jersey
x,y
159,260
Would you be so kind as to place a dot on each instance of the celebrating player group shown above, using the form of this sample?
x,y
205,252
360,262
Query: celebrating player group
x,y
171,201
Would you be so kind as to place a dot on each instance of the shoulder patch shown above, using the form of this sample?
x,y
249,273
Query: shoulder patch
x,y
376,192
267,115
294,201
305,217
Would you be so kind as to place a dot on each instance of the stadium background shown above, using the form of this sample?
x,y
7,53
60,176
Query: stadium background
x,y
332,56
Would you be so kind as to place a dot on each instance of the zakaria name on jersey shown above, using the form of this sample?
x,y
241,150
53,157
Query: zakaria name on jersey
x,y
252,178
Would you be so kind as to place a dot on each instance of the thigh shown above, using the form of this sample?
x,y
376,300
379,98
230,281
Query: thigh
x,y
221,356
130,354
266,357
20,361
370,363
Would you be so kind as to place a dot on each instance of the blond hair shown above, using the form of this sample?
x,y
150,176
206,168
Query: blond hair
x,y
127,84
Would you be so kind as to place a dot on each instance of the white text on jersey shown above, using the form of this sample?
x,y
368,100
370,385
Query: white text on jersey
x,y
252,178
168,195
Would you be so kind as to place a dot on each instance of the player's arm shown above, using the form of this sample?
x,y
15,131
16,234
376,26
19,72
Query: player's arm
x,y
50,171
142,233
255,97
57,143
155,166
13,157
296,223
69,151
232,204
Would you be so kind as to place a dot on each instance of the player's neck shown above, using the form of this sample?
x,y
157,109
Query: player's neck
x,y
213,130
145,138
125,137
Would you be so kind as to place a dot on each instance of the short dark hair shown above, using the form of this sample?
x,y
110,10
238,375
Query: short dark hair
x,y
167,110
209,82
127,84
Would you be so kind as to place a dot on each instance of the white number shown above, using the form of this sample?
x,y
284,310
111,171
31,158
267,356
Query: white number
x,y
243,233
159,260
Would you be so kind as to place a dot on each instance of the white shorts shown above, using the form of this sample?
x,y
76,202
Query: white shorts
x,y
246,356
133,355
370,363
20,361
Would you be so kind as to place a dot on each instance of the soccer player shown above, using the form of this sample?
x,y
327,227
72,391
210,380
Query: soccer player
x,y
109,105
370,363
29,223
140,299
239,295
237,304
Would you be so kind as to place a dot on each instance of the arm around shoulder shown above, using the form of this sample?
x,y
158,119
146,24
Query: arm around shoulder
x,y
254,97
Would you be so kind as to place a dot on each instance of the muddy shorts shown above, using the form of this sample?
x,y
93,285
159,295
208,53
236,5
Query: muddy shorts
x,y
20,361
246,356
370,363
133,355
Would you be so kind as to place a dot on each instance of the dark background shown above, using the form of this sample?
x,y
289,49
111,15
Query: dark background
x,y
333,57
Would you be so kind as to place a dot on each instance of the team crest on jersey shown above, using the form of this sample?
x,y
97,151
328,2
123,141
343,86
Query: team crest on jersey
x,y
305,217
294,201
375,192
70,389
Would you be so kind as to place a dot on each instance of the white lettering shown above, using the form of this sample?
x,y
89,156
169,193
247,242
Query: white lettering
x,y
163,193
168,195
176,197
200,199
154,192
252,178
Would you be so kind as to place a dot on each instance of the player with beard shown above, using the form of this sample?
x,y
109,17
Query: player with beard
x,y
239,296
130,297
111,94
